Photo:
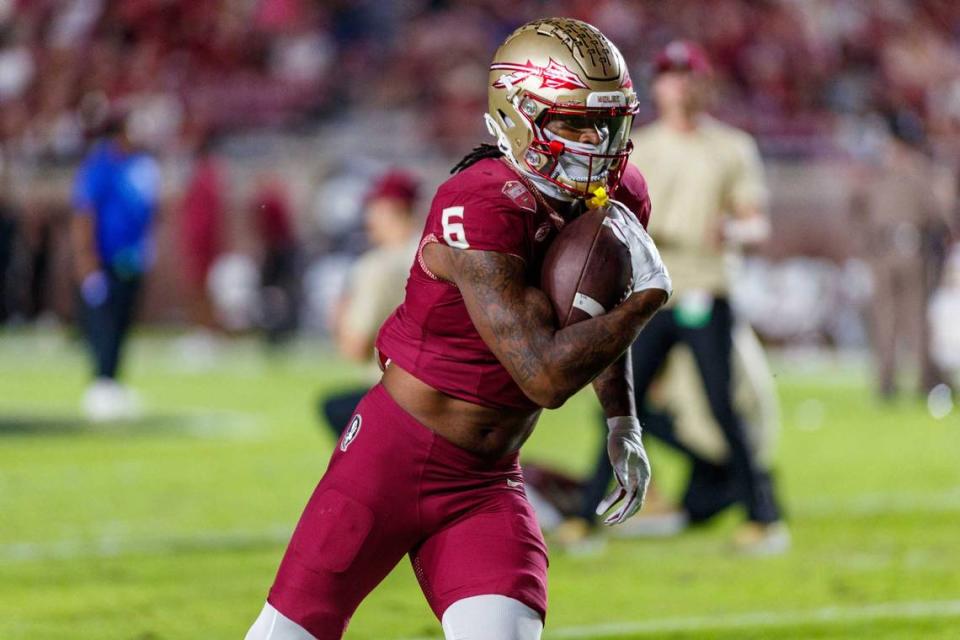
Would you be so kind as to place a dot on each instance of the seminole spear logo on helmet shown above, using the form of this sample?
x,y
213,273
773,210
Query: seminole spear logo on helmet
x,y
552,76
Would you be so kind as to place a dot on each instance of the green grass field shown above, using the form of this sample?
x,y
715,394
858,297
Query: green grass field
x,y
173,527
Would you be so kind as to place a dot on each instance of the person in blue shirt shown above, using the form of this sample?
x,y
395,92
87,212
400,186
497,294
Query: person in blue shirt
x,y
115,198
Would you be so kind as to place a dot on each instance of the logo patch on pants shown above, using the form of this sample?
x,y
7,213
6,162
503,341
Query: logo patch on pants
x,y
351,433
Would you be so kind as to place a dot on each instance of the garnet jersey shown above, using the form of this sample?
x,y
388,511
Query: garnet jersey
x,y
431,335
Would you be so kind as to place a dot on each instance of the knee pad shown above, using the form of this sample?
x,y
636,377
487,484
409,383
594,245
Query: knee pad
x,y
491,617
273,625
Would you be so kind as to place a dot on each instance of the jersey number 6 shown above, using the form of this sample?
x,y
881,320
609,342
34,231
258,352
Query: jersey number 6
x,y
453,233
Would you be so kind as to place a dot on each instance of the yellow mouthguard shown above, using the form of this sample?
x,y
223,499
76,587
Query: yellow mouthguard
x,y
599,199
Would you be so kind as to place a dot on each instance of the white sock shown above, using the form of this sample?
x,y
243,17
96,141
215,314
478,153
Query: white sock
x,y
491,617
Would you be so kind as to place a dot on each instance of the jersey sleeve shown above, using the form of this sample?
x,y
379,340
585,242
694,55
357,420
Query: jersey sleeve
x,y
748,185
477,220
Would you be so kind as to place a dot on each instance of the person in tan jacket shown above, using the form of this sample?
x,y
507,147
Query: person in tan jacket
x,y
709,198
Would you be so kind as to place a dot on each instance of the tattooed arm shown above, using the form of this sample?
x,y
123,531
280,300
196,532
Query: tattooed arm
x,y
516,322
614,388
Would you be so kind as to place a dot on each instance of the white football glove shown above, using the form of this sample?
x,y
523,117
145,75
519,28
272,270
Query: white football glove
x,y
649,271
630,466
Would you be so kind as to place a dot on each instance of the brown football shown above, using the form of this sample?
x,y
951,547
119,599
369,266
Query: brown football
x,y
586,271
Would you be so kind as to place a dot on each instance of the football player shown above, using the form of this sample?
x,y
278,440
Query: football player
x,y
428,465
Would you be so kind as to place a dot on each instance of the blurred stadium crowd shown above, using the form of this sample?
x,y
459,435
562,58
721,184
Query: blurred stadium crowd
x,y
785,68
304,103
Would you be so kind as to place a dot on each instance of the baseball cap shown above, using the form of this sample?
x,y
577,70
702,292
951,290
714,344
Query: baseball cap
x,y
683,55
396,185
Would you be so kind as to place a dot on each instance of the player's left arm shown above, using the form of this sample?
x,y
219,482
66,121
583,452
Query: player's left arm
x,y
631,466
614,388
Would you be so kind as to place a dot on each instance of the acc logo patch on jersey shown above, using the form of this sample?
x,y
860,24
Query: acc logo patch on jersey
x,y
520,195
351,433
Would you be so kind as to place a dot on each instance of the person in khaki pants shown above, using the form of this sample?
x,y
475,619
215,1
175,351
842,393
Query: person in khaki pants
x,y
708,193
901,210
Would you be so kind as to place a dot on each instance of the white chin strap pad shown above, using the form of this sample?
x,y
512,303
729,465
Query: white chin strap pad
x,y
273,625
491,617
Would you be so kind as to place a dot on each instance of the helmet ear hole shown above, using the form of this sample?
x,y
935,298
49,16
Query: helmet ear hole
x,y
505,119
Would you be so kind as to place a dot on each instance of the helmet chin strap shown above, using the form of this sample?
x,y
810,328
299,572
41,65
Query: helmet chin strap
x,y
548,188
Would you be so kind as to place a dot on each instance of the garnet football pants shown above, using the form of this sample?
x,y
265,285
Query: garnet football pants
x,y
395,488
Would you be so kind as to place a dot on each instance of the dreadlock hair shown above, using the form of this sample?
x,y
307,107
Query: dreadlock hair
x,y
480,152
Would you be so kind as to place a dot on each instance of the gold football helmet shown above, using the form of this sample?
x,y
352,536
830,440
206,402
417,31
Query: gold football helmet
x,y
562,69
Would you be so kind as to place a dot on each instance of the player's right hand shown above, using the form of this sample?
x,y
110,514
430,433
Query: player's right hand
x,y
94,288
649,272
